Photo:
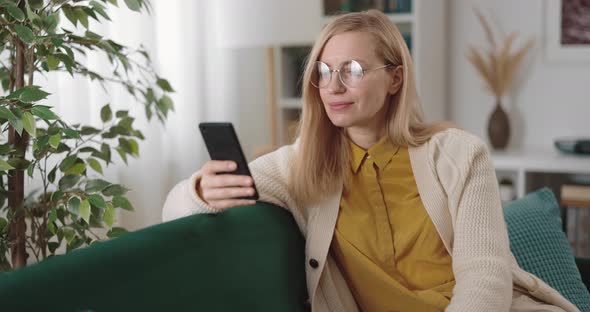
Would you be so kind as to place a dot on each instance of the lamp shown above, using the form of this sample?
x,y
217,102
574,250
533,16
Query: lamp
x,y
267,23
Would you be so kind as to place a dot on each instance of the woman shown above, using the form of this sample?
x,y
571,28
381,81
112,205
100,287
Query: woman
x,y
398,214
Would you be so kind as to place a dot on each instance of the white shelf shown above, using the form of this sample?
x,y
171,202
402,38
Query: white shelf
x,y
291,103
522,163
397,18
541,160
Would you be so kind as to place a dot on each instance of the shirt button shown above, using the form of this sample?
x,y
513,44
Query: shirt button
x,y
313,263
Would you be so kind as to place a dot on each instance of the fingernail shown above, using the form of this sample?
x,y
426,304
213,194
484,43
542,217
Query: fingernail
x,y
231,165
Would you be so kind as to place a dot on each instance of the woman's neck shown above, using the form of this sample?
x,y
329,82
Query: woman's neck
x,y
365,138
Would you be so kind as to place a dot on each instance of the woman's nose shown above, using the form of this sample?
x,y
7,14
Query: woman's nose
x,y
335,85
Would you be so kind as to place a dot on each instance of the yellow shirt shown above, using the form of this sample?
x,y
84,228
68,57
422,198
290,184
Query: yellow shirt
x,y
385,243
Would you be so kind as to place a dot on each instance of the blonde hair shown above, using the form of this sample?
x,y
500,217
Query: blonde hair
x,y
323,157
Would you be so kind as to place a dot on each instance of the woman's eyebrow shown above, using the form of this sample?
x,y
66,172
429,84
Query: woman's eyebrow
x,y
359,60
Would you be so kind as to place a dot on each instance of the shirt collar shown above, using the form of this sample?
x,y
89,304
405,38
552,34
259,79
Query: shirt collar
x,y
381,153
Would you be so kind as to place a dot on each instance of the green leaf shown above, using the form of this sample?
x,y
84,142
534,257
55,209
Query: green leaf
x,y
100,9
126,123
15,12
116,232
43,112
82,17
19,163
115,190
88,149
6,113
24,33
57,195
5,149
50,23
93,186
68,162
122,154
29,94
165,85
97,201
52,62
3,224
130,146
68,181
54,140
165,104
72,134
67,60
18,125
92,35
57,42
29,123
133,5
122,114
113,2
52,246
30,170
109,215
74,205
78,168
122,202
84,210
51,175
70,15
89,130
94,164
68,234
41,142
35,4
106,114
5,165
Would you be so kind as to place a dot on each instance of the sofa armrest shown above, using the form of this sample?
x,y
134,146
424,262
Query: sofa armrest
x,y
248,258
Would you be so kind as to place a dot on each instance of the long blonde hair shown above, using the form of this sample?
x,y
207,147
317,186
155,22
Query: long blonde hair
x,y
323,157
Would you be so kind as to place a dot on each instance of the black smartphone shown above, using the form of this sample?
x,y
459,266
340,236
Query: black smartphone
x,y
222,143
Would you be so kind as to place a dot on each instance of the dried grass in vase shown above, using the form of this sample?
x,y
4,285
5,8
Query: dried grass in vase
x,y
499,65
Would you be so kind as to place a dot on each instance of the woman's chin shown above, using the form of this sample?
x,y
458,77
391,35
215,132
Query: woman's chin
x,y
340,122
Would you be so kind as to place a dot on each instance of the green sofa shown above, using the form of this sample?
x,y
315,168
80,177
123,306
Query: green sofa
x,y
246,259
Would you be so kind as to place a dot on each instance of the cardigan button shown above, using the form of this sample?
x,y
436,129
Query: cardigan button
x,y
313,263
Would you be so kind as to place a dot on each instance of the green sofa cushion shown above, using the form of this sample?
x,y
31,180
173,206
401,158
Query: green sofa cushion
x,y
540,246
245,259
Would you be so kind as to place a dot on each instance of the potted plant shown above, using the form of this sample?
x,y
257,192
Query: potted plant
x,y
498,66
68,159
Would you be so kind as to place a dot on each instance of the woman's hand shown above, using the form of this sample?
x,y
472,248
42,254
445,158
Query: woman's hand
x,y
222,191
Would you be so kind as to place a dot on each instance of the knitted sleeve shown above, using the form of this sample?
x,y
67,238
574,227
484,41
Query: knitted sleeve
x,y
480,246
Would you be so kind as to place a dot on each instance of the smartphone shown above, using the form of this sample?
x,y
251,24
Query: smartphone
x,y
222,143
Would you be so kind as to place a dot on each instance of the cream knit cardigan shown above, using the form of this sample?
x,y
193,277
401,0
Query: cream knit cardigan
x,y
458,187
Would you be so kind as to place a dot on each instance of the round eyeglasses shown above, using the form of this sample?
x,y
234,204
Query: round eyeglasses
x,y
350,73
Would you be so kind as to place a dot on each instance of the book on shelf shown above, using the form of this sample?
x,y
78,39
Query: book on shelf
x,y
575,200
386,6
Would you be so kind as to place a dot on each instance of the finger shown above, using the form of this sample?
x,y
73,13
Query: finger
x,y
227,193
216,166
230,203
225,180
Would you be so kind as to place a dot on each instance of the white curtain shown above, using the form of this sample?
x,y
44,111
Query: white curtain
x,y
209,84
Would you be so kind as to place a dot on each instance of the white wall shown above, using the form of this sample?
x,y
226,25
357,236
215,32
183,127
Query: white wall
x,y
552,100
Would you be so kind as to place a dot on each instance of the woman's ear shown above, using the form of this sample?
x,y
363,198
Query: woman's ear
x,y
397,75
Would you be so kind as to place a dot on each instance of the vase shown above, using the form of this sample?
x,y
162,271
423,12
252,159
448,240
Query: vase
x,y
499,127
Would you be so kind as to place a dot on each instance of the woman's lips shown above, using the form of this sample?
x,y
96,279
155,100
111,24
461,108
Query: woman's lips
x,y
339,105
